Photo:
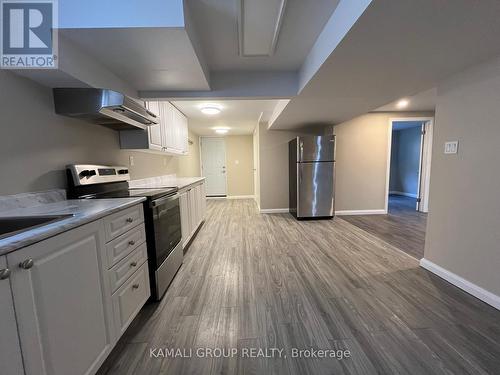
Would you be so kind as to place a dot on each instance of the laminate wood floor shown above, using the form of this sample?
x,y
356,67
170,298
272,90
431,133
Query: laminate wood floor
x,y
403,226
269,281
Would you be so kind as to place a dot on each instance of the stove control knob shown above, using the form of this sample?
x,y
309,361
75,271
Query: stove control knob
x,y
87,173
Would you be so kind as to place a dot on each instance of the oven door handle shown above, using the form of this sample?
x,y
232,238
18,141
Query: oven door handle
x,y
160,201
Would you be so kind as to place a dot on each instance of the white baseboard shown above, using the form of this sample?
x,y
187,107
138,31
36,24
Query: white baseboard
x,y
361,212
209,197
404,194
240,197
274,210
475,290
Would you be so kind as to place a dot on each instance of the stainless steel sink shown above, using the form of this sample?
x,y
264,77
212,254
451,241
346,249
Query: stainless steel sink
x,y
10,226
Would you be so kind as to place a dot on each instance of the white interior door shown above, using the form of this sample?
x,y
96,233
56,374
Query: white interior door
x,y
213,165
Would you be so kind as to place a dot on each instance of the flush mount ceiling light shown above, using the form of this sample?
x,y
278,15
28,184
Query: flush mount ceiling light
x,y
210,109
221,130
403,103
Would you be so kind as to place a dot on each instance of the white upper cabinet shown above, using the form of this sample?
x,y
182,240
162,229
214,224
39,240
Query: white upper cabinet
x,y
176,137
170,135
155,132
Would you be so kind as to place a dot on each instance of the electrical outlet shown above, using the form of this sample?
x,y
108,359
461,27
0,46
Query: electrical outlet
x,y
451,147
131,161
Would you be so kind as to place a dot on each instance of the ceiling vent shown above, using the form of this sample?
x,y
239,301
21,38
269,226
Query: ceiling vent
x,y
259,24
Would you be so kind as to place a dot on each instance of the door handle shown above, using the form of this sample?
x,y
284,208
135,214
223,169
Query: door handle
x,y
27,264
4,273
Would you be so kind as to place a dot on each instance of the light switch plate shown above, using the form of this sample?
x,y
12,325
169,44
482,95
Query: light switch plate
x,y
131,161
451,147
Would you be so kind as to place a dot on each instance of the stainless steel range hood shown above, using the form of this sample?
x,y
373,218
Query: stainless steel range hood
x,y
103,107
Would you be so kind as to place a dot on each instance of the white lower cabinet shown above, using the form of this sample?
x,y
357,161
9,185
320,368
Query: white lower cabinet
x,y
70,300
130,297
60,296
10,351
185,220
192,205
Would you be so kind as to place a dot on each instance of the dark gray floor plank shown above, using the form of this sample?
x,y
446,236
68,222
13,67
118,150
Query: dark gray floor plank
x,y
264,281
403,226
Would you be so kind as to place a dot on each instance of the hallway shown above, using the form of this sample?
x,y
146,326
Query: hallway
x,y
403,227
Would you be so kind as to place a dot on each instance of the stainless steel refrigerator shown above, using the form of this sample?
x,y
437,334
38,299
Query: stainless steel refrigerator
x,y
312,177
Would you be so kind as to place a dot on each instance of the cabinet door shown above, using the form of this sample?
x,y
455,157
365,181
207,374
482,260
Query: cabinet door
x,y
177,129
185,223
184,135
182,132
155,131
203,197
10,349
61,298
167,121
198,205
192,210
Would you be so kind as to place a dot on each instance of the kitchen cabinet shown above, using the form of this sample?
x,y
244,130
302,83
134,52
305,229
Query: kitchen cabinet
x,y
192,205
169,136
69,298
155,132
64,316
10,350
185,219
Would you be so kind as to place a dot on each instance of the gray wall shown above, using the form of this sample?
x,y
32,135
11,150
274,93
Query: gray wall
x,y
362,153
463,233
273,163
405,160
36,144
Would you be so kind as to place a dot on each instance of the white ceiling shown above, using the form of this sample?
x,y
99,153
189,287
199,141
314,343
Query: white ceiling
x,y
147,58
395,49
240,116
217,25
423,101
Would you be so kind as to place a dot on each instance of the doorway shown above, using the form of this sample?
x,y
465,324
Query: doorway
x,y
213,165
409,158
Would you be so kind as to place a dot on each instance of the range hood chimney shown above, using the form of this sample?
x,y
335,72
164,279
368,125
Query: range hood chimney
x,y
104,107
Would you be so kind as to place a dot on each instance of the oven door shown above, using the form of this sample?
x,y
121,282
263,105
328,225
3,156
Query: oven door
x,y
167,226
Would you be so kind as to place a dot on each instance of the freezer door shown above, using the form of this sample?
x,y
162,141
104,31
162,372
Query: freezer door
x,y
316,148
315,189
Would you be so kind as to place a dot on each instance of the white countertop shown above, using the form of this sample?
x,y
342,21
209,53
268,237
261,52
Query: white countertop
x,y
170,180
183,182
83,211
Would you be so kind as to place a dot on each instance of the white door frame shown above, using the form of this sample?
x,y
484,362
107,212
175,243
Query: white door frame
x,y
201,158
425,160
256,176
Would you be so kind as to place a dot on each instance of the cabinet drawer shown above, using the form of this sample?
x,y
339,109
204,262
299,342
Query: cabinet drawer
x,y
123,221
127,266
121,246
130,297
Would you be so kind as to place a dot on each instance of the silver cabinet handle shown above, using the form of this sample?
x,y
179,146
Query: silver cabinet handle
x,y
131,242
135,286
4,273
27,264
133,264
129,220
